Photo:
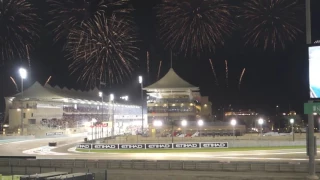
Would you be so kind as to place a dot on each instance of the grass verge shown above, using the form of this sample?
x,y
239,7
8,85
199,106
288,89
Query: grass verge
x,y
189,150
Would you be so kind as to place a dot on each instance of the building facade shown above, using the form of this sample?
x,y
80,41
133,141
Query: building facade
x,y
45,107
249,118
172,99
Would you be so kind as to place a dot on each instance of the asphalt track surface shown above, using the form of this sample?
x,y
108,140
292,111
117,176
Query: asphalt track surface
x,y
66,146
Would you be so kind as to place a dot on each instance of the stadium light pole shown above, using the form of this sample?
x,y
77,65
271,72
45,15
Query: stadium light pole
x,y
23,75
310,137
184,124
260,122
125,98
292,124
157,124
200,124
112,100
101,95
233,123
141,83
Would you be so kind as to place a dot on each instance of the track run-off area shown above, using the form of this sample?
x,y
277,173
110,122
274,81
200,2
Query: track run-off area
x,y
66,149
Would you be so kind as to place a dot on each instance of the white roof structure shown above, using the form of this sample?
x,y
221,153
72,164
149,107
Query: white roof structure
x,y
171,81
47,92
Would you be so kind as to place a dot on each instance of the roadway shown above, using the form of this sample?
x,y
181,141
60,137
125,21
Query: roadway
x,y
65,150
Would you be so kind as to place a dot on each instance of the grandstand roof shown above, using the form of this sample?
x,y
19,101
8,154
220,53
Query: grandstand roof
x,y
171,81
37,91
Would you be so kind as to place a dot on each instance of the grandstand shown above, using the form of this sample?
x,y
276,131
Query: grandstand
x,y
47,108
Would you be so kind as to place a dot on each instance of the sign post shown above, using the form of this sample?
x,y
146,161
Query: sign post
x,y
310,108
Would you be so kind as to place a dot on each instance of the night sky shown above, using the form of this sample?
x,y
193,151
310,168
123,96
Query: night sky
x,y
272,77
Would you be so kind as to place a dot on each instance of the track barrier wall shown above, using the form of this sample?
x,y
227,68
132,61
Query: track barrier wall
x,y
24,166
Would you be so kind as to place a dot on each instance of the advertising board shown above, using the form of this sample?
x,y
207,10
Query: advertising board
x,y
314,73
159,146
84,146
214,145
54,133
155,145
186,145
132,146
105,146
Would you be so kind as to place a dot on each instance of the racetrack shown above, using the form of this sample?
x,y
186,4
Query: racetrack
x,y
66,150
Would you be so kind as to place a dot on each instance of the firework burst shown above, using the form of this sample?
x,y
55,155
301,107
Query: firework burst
x,y
194,25
67,14
102,46
271,23
18,29
227,73
241,76
227,85
15,84
159,70
214,72
148,62
48,80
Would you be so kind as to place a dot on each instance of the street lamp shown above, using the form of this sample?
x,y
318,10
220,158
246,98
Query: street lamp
x,y
23,75
141,83
101,95
233,123
200,124
111,98
158,125
260,122
292,124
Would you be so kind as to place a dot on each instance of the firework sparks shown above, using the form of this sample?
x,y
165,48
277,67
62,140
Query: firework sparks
x,y
102,46
241,76
194,25
148,59
18,29
68,14
214,72
227,73
272,22
159,70
14,82
28,57
48,80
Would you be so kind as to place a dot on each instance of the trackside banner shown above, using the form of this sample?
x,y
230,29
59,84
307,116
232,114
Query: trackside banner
x,y
54,133
155,146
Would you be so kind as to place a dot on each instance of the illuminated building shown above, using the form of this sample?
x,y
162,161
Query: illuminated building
x,y
172,99
245,117
47,107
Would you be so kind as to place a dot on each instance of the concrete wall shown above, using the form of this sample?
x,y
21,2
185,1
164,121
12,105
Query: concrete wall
x,y
159,169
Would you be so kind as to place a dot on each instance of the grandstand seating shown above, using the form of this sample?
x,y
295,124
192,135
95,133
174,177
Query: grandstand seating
x,y
76,116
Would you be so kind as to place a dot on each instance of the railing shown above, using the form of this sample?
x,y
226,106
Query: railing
x,y
156,165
